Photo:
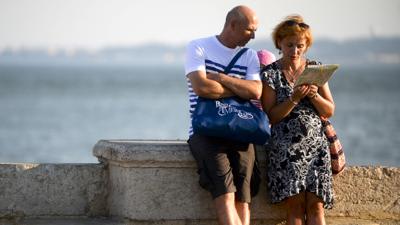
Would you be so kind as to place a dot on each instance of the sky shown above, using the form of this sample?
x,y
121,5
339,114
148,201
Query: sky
x,y
94,24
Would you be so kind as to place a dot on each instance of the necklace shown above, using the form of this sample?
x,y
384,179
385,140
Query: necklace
x,y
291,77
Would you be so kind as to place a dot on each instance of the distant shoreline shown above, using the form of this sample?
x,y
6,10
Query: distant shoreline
x,y
353,52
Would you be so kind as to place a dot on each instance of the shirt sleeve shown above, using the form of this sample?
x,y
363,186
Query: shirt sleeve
x,y
253,71
194,58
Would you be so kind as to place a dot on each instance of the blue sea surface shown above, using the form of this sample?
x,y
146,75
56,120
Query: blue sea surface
x,y
55,114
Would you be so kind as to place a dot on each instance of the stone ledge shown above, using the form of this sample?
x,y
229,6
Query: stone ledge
x,y
157,180
28,189
144,153
107,221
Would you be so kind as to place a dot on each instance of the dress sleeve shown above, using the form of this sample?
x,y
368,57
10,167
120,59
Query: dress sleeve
x,y
268,77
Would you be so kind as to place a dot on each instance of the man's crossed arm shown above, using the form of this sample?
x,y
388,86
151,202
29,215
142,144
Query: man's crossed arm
x,y
219,85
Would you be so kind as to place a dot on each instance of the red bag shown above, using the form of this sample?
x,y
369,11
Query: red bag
x,y
338,159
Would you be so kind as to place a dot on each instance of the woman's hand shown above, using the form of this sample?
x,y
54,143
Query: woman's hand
x,y
299,92
313,91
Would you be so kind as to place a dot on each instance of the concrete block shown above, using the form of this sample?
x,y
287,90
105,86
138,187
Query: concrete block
x,y
52,189
157,180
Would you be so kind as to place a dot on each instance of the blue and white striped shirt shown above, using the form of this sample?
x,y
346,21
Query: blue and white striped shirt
x,y
209,55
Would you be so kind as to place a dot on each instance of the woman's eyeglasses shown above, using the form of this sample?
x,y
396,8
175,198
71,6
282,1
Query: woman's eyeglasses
x,y
292,23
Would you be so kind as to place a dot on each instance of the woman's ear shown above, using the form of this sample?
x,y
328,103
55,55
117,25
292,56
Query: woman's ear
x,y
280,49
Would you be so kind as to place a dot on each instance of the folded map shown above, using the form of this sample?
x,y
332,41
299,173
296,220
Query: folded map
x,y
316,74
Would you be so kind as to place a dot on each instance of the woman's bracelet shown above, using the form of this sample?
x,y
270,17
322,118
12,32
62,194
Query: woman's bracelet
x,y
314,96
293,101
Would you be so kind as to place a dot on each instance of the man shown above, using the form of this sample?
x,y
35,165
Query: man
x,y
225,167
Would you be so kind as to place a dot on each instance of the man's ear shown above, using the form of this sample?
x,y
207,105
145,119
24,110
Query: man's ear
x,y
235,23
232,24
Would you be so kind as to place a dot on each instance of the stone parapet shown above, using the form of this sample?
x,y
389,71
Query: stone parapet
x,y
157,180
144,153
32,190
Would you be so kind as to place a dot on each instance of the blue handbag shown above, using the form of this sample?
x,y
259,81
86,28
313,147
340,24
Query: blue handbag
x,y
231,118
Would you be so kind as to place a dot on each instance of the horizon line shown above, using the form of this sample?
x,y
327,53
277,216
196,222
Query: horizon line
x,y
164,44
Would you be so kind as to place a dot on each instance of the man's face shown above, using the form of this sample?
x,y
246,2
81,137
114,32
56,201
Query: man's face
x,y
245,31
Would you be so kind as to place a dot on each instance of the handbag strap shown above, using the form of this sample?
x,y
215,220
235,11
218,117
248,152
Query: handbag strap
x,y
234,59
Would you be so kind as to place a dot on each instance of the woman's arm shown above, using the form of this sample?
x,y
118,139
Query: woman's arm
x,y
322,100
276,112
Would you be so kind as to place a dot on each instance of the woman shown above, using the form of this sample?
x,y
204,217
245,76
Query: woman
x,y
298,166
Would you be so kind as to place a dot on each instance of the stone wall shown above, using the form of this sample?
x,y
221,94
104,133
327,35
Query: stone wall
x,y
31,190
157,181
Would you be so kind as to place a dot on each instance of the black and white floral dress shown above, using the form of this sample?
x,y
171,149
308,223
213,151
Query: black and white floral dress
x,y
298,154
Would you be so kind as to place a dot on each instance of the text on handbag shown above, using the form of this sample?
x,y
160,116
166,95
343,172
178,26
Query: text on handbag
x,y
224,109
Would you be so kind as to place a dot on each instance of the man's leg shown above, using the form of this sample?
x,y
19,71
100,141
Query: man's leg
x,y
216,176
243,210
226,211
242,162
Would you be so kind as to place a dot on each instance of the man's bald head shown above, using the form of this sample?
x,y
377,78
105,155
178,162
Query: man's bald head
x,y
240,27
241,14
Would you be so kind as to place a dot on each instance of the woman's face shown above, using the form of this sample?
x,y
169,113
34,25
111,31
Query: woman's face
x,y
293,47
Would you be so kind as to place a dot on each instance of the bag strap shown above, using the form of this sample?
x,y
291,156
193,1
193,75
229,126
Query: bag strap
x,y
234,59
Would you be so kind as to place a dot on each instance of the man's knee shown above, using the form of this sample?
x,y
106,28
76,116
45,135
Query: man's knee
x,y
225,200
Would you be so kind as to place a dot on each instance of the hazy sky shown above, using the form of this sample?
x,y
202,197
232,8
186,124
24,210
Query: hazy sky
x,y
95,24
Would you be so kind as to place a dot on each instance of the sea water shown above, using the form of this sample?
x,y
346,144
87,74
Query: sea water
x,y
55,114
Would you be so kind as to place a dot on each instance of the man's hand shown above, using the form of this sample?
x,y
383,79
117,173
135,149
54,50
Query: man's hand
x,y
214,76
218,85
205,87
246,89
